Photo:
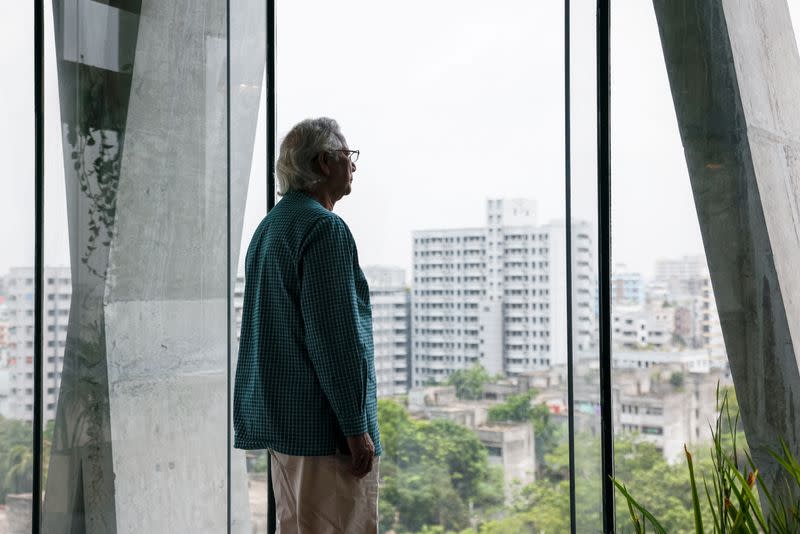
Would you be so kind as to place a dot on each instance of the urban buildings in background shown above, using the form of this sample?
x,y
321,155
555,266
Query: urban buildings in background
x,y
17,371
494,295
391,328
675,310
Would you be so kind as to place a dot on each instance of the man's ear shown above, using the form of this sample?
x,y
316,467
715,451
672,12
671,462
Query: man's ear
x,y
323,163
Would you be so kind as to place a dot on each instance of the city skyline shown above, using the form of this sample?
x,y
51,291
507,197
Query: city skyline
x,y
450,170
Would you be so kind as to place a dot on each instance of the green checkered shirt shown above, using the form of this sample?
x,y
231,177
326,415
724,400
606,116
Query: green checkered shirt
x,y
305,378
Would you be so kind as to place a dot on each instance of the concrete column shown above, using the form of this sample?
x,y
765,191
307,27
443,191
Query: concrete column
x,y
140,440
734,72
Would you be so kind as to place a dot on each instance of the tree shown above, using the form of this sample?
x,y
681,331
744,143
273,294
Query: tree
x,y
19,476
431,473
676,380
517,408
469,382
16,457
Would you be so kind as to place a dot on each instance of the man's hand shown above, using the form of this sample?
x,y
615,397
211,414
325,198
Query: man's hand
x,y
362,451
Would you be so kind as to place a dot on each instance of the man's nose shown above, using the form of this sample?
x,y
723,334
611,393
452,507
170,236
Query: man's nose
x,y
353,166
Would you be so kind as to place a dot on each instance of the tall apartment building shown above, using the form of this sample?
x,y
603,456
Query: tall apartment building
x,y
57,295
496,295
391,306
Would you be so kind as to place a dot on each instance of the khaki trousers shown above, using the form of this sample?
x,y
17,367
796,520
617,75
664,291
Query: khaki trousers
x,y
316,495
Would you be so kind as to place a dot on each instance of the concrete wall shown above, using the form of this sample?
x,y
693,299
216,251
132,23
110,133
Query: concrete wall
x,y
734,72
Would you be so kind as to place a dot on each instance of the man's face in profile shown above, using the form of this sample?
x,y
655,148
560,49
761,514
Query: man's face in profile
x,y
341,177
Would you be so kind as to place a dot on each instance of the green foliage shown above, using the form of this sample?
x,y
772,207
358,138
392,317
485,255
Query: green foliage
x,y
516,408
432,471
469,382
635,509
727,500
676,380
16,457
258,461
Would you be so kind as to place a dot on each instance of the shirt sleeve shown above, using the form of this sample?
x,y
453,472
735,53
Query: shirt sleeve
x,y
330,309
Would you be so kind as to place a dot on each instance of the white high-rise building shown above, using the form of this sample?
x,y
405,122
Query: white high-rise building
x,y
57,295
496,295
390,301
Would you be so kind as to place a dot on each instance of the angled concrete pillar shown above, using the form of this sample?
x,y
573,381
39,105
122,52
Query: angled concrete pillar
x,y
734,72
140,441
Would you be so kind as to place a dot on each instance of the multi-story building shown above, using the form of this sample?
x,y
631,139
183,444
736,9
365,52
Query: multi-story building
x,y
4,315
495,295
5,382
643,326
681,275
57,295
5,372
687,284
391,306
686,331
694,361
510,446
710,327
238,304
670,407
666,402
627,287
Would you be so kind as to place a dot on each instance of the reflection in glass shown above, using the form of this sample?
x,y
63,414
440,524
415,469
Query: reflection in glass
x,y
583,201
457,211
669,355
248,181
16,269
140,438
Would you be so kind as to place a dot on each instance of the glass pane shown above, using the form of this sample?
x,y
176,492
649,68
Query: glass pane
x,y
586,356
457,209
137,214
16,269
248,168
698,274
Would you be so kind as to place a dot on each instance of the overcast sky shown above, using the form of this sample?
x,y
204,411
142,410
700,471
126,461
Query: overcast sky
x,y
450,102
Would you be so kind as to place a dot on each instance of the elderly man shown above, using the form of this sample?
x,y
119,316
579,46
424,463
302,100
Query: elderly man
x,y
305,381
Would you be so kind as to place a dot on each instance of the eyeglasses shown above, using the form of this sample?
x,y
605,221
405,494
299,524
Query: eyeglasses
x,y
352,154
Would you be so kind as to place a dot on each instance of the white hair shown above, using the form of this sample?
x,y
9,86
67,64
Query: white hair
x,y
295,170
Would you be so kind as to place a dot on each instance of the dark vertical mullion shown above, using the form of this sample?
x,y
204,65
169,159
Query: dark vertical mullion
x,y
38,306
228,270
271,108
568,230
604,256
271,115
